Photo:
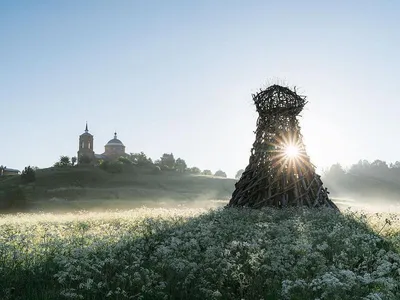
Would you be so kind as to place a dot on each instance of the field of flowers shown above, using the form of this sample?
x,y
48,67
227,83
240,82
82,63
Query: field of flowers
x,y
200,254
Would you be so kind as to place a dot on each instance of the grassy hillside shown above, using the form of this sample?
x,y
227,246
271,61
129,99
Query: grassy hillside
x,y
194,254
76,188
91,188
365,188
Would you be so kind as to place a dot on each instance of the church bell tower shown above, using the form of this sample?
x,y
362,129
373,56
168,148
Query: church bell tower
x,y
85,152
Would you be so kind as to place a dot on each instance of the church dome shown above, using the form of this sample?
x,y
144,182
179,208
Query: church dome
x,y
114,141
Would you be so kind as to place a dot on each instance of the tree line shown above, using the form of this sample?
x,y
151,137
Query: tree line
x,y
167,162
377,168
370,179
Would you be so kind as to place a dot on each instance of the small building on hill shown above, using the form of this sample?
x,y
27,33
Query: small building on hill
x,y
112,150
4,171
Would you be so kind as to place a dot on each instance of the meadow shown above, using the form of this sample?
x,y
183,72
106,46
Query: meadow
x,y
200,254
90,188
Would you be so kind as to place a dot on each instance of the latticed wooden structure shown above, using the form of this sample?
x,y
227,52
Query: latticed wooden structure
x,y
279,172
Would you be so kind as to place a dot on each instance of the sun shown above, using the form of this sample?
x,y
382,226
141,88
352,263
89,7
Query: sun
x,y
292,151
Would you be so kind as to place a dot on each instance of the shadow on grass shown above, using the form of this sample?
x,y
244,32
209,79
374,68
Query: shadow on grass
x,y
223,254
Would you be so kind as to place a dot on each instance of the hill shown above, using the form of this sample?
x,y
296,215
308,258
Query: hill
x,y
365,187
200,254
90,188
93,188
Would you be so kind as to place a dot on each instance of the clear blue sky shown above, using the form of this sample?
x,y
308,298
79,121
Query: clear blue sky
x,y
177,76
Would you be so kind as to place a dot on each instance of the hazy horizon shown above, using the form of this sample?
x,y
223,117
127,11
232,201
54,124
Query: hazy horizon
x,y
178,77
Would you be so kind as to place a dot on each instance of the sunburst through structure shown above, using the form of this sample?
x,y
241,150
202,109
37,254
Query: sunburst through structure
x,y
279,172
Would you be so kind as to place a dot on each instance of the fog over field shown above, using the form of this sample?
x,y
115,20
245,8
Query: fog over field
x,y
202,150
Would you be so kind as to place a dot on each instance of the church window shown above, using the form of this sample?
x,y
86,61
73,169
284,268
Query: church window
x,y
83,145
89,146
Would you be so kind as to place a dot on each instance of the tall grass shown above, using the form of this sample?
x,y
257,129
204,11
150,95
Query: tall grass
x,y
199,254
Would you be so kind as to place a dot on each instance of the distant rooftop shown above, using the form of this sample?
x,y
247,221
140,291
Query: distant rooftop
x,y
4,170
114,141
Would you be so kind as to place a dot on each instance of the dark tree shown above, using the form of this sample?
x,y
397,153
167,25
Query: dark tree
x,y
194,170
111,167
167,161
220,173
180,165
207,172
63,162
140,159
28,175
125,160
13,198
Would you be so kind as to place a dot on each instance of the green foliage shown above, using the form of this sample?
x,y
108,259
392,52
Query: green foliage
x,y
140,159
395,165
73,160
374,179
220,173
103,164
223,254
112,166
194,171
12,198
239,174
125,160
206,172
156,170
167,161
180,165
28,175
139,184
64,161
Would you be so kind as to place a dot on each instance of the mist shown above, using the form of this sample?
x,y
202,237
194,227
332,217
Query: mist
x,y
370,186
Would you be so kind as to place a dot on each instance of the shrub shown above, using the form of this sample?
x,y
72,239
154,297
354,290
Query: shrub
x,y
125,160
111,167
194,170
13,198
141,159
207,172
64,161
220,173
156,170
28,175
